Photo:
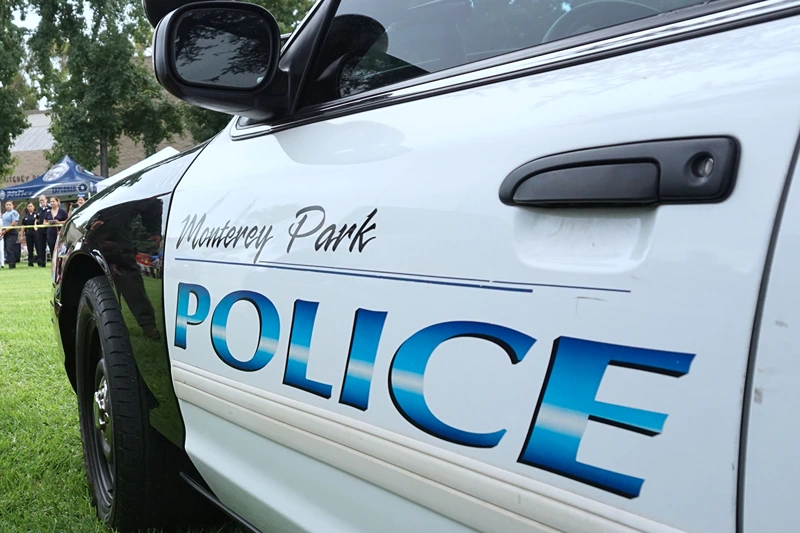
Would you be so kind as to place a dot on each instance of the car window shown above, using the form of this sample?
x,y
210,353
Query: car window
x,y
373,44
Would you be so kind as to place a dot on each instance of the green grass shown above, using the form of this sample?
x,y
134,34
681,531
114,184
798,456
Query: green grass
x,y
42,480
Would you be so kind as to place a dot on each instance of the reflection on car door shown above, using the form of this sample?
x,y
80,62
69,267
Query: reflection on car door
x,y
589,362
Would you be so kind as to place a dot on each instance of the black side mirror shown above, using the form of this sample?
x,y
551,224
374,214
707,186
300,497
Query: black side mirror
x,y
221,55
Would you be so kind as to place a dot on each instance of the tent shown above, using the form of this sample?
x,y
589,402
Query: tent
x,y
66,178
141,165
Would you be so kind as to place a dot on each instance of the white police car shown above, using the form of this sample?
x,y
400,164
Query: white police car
x,y
456,265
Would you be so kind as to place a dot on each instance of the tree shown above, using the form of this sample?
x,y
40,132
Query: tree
x,y
27,97
12,115
203,123
99,88
22,83
288,13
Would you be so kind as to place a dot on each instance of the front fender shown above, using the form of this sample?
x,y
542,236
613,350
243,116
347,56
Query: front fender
x,y
119,234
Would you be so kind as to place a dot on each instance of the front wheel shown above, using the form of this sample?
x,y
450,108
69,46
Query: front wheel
x,y
133,483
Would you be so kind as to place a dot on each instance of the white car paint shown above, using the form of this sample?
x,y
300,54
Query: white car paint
x,y
772,475
157,157
681,279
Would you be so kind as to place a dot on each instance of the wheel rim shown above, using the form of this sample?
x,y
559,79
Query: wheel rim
x,y
101,449
102,415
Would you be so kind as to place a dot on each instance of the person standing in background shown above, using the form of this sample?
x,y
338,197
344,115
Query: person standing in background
x,y
29,219
54,217
10,219
41,231
79,202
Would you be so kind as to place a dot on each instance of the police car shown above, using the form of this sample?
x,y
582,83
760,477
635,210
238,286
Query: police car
x,y
454,266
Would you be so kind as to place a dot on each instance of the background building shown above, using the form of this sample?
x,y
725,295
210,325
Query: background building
x,y
29,150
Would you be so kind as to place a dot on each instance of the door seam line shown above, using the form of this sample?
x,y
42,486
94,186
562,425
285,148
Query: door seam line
x,y
754,339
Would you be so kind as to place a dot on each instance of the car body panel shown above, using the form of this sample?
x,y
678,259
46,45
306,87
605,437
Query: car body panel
x,y
431,244
771,476
119,233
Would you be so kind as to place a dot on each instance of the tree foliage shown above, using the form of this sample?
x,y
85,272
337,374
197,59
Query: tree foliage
x,y
203,124
12,114
288,13
92,71
27,96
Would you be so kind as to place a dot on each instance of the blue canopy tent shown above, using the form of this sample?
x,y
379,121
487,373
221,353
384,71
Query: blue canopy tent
x,y
66,178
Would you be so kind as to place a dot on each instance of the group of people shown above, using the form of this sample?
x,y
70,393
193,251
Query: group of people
x,y
40,226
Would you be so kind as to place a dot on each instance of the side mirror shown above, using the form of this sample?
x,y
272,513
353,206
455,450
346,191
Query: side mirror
x,y
220,55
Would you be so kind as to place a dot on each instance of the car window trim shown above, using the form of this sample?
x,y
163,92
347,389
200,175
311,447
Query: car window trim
x,y
674,26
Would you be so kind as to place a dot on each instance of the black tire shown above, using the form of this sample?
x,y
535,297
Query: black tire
x,y
134,483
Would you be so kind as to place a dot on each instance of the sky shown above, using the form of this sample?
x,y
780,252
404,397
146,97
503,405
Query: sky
x,y
31,20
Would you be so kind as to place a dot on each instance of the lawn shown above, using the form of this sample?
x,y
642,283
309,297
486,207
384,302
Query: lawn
x,y
42,481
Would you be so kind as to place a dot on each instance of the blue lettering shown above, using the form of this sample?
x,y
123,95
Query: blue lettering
x,y
407,375
367,330
296,371
182,316
568,403
268,322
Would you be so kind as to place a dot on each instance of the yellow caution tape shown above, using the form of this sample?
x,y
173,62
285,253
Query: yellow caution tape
x,y
43,226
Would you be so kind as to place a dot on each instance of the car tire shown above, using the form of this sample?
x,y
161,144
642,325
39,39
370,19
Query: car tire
x,y
131,476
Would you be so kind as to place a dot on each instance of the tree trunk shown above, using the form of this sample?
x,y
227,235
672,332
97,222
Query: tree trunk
x,y
103,156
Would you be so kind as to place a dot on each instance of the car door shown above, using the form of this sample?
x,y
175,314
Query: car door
x,y
771,475
473,288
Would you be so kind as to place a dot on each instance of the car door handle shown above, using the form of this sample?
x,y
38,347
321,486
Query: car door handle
x,y
675,171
